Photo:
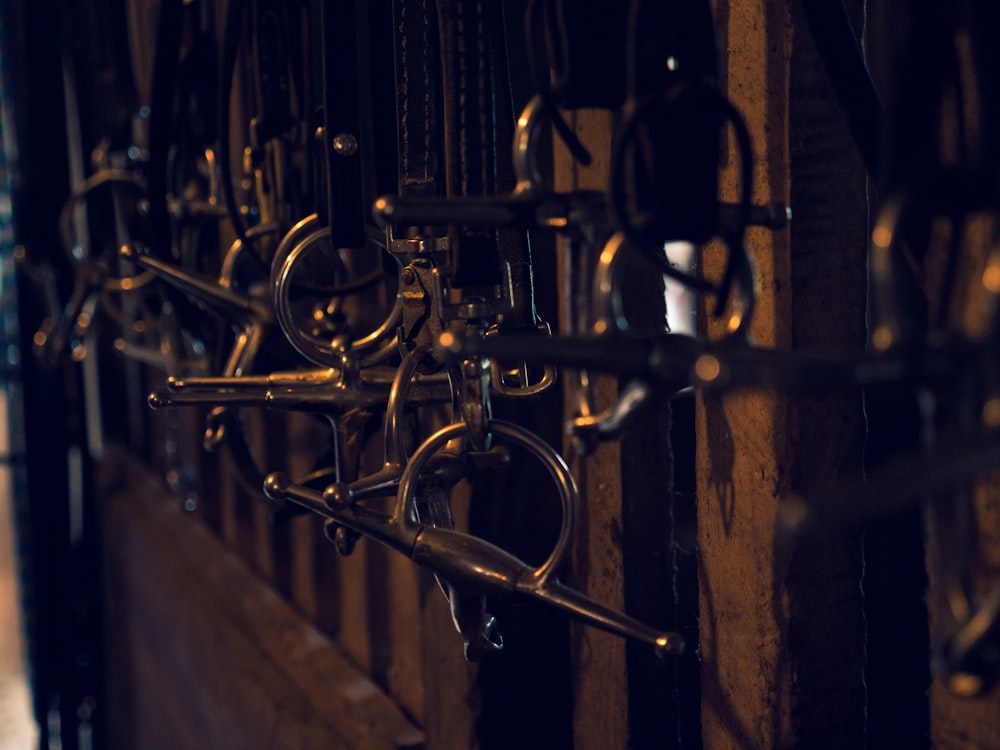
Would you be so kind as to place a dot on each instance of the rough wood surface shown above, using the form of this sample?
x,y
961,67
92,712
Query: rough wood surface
x,y
742,438
781,639
958,722
208,656
599,676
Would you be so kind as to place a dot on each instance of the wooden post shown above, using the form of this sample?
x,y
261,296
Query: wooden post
x,y
599,679
780,638
959,722
964,723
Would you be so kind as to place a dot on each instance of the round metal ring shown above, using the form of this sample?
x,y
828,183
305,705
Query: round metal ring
x,y
405,511
300,240
104,178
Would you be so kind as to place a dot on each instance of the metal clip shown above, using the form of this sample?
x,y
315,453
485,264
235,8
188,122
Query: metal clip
x,y
516,381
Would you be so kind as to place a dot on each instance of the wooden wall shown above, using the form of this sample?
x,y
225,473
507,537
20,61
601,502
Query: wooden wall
x,y
782,640
231,630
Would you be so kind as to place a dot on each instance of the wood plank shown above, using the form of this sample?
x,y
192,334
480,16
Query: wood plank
x,y
600,674
307,437
451,696
780,638
361,579
208,656
404,634
433,655
959,722
744,682
828,276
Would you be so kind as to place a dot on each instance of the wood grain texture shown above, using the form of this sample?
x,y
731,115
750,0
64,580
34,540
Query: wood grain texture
x,y
208,656
957,722
781,634
599,675
742,438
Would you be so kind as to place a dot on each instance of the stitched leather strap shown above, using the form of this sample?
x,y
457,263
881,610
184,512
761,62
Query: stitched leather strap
x,y
418,97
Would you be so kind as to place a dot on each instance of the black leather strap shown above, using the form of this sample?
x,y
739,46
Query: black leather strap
x,y
227,66
468,81
164,91
513,245
418,97
670,145
344,75
273,81
587,52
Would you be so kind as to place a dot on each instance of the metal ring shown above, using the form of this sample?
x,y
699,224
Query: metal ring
x,y
300,240
110,178
607,306
530,127
405,511
236,250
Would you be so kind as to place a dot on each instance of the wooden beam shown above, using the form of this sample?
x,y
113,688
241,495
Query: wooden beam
x,y
957,721
781,642
600,677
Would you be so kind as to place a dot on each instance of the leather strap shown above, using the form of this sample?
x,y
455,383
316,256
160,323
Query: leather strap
x,y
587,52
418,97
469,80
164,90
677,111
343,26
